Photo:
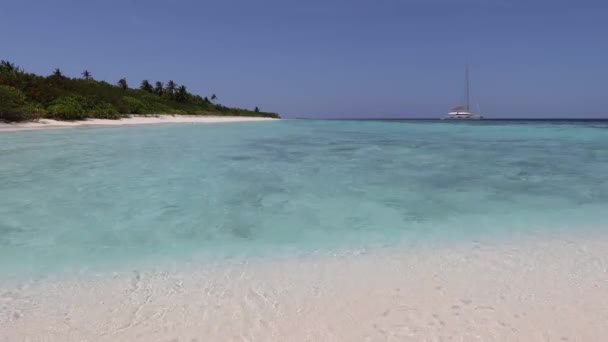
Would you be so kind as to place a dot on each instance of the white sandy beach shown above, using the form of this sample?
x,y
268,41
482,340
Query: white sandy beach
x,y
529,290
132,120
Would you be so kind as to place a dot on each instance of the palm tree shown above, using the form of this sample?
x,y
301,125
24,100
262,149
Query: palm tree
x,y
8,66
182,94
159,88
213,97
11,68
86,75
123,83
171,88
257,110
146,86
57,73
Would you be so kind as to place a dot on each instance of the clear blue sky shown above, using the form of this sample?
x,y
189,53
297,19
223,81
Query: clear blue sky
x,y
383,58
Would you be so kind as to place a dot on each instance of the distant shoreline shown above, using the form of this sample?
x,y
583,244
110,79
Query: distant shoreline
x,y
128,121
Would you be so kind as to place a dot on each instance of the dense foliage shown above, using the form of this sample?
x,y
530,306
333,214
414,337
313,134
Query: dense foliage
x,y
27,96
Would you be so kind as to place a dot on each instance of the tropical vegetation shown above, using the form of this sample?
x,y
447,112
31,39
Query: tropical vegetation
x,y
27,96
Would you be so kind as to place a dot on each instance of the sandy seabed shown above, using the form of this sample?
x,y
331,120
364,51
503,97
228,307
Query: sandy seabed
x,y
530,290
132,120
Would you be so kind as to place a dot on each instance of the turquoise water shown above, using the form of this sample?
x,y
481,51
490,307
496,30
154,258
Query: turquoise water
x,y
109,197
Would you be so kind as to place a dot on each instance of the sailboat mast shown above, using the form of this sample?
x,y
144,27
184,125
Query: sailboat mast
x,y
466,91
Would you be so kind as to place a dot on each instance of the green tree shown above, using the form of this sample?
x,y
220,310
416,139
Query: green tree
x,y
123,83
171,86
257,110
131,105
8,66
86,75
57,73
146,86
104,110
213,97
159,88
12,101
182,94
67,108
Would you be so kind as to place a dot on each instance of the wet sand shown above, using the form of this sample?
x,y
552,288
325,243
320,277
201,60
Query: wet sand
x,y
534,289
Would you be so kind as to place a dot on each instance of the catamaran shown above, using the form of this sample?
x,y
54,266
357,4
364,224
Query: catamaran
x,y
462,112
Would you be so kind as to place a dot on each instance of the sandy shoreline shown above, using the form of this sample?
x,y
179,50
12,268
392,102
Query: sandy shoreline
x,y
133,120
534,290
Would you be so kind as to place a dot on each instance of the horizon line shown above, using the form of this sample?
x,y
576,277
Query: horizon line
x,y
466,120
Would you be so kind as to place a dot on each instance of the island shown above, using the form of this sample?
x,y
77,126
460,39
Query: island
x,y
28,97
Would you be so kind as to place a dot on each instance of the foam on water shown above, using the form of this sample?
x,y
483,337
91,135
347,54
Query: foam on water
x,y
109,197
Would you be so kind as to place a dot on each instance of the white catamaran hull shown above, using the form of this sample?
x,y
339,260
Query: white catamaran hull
x,y
462,116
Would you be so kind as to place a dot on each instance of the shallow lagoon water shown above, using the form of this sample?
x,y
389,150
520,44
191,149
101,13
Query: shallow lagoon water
x,y
98,198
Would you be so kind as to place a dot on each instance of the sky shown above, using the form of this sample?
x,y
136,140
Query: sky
x,y
332,58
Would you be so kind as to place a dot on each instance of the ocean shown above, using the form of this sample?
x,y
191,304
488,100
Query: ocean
x,y
105,199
